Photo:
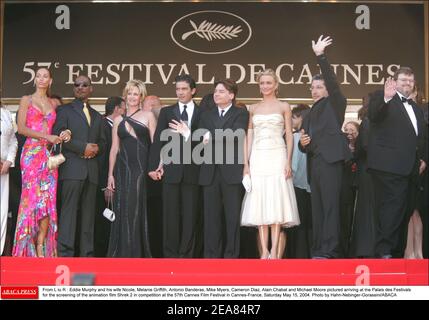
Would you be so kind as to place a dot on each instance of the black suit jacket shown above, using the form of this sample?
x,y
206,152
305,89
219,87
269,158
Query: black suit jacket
x,y
393,144
182,171
71,116
235,118
325,120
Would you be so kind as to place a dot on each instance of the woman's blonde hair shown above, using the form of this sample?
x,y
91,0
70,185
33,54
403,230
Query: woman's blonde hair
x,y
139,85
272,74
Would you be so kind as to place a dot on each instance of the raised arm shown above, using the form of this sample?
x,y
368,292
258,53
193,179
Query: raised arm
x,y
338,101
379,101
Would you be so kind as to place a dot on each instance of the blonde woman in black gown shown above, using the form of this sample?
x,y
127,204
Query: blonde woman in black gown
x,y
132,135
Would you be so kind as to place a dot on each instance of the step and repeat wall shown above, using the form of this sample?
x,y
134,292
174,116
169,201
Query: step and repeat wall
x,y
115,42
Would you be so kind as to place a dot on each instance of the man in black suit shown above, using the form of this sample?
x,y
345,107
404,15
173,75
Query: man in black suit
x,y
221,174
178,172
114,107
79,173
327,149
397,154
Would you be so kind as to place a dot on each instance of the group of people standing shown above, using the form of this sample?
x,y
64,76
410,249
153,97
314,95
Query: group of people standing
x,y
221,167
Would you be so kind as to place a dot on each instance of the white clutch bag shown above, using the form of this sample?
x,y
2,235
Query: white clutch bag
x,y
247,183
108,213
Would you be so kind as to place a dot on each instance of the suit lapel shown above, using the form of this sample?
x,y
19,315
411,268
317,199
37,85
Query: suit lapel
x,y
420,121
93,115
195,116
78,109
217,121
176,111
228,115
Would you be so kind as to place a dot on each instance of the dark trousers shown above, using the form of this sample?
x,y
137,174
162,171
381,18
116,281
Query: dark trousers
x,y
154,217
77,196
180,208
300,238
325,202
423,208
222,207
102,226
392,193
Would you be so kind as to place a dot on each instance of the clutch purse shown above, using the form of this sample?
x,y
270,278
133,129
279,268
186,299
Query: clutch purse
x,y
54,161
247,183
108,213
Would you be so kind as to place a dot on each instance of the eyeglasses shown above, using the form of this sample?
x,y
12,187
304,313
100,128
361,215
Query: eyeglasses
x,y
84,84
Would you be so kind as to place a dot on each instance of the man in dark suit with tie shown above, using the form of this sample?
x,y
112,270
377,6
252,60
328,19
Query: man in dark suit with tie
x,y
178,172
79,173
114,107
327,149
397,154
221,174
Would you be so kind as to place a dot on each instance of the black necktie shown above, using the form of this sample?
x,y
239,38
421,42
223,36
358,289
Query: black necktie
x,y
406,100
184,115
221,113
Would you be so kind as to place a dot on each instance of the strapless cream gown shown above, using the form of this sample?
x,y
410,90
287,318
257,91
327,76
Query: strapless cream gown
x,y
272,196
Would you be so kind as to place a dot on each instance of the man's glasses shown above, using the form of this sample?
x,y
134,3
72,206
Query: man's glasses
x,y
85,85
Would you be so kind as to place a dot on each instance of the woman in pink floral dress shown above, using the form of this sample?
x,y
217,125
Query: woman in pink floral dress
x,y
36,229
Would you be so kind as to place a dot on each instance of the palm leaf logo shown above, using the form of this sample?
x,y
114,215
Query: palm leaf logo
x,y
210,31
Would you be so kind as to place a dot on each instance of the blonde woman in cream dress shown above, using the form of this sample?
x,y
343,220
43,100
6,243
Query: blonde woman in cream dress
x,y
271,203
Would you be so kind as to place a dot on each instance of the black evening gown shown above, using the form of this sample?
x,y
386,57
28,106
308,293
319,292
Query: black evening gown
x,y
129,233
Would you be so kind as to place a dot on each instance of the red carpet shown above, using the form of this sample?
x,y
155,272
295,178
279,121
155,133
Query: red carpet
x,y
36,271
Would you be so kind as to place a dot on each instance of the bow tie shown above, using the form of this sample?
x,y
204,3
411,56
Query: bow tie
x,y
406,100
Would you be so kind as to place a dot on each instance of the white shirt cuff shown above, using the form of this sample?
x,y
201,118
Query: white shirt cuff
x,y
207,135
187,134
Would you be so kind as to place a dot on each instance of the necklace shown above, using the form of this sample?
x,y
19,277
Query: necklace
x,y
43,101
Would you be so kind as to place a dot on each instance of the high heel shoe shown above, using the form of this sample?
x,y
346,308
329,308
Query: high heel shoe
x,y
264,257
39,251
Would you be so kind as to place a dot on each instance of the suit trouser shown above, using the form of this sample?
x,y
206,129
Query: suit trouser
x,y
222,208
325,186
180,210
392,194
102,226
77,196
424,212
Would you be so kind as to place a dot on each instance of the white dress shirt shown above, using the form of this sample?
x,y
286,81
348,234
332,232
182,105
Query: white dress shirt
x,y
207,135
411,113
225,110
189,109
190,106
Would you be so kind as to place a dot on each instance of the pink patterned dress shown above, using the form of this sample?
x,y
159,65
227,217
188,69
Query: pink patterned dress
x,y
39,190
